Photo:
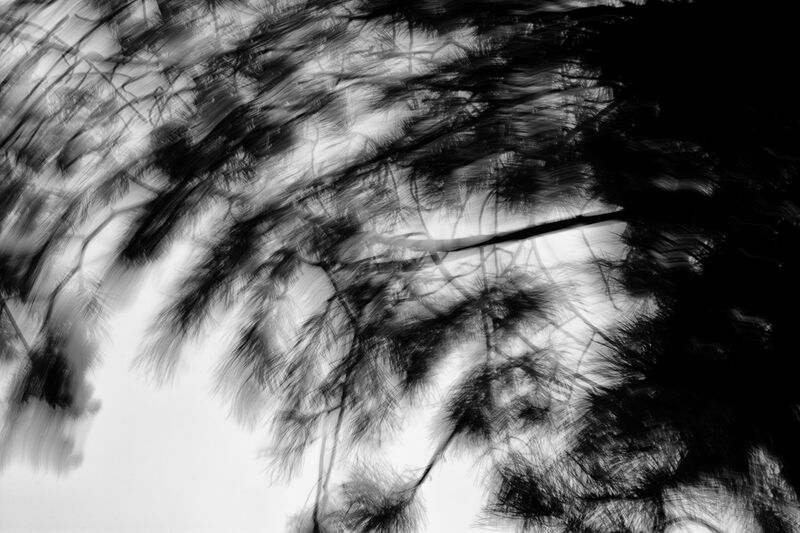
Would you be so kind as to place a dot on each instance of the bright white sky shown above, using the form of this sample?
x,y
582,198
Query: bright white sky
x,y
155,459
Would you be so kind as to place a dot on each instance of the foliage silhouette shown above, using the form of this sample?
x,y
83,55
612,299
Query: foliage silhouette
x,y
503,122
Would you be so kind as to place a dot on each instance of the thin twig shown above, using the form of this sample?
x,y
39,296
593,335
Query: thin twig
x,y
15,325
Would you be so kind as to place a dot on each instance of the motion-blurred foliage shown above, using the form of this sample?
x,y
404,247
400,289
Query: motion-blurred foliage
x,y
378,186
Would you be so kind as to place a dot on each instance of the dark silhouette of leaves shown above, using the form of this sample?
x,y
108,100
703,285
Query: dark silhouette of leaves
x,y
376,504
489,127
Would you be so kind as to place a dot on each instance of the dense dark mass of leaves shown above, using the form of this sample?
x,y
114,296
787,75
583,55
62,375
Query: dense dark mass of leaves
x,y
675,119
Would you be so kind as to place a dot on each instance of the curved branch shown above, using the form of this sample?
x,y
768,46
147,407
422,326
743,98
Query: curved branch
x,y
691,520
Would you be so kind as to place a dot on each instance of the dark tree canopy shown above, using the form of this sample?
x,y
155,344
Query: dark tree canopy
x,y
374,187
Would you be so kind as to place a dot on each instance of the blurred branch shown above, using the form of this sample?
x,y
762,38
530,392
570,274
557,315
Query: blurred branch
x,y
596,260
690,520
84,246
14,324
567,301
437,455
537,230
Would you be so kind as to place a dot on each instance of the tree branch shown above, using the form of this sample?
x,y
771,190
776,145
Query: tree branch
x,y
17,330
537,230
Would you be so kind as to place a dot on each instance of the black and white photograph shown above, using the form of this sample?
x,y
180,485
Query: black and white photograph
x,y
399,266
